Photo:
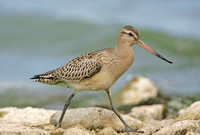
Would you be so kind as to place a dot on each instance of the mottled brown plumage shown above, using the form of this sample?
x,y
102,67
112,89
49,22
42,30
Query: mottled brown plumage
x,y
81,67
98,70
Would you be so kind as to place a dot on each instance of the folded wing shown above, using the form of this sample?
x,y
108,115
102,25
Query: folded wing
x,y
83,66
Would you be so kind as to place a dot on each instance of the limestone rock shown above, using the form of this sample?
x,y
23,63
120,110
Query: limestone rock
x,y
164,123
17,129
172,127
33,121
79,130
137,90
179,128
155,126
192,133
95,118
107,131
97,121
147,113
26,116
191,113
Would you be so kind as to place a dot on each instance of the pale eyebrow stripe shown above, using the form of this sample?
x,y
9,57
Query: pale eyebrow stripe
x,y
134,35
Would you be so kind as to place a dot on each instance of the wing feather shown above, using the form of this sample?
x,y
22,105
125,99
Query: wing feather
x,y
81,67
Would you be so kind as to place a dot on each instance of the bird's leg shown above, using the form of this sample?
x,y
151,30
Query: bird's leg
x,y
67,102
127,127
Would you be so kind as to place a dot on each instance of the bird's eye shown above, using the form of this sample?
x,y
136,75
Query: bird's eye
x,y
130,34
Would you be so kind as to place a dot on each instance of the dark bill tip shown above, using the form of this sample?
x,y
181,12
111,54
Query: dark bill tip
x,y
146,47
161,57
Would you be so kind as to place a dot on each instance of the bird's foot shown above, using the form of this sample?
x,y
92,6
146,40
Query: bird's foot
x,y
58,125
129,129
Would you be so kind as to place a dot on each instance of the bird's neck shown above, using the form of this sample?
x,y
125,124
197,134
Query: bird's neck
x,y
124,53
124,48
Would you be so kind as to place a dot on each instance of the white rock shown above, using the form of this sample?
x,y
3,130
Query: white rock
x,y
147,113
179,128
95,118
191,113
33,121
137,90
107,131
26,116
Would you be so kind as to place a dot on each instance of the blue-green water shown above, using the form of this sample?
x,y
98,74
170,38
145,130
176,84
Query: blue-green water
x,y
38,36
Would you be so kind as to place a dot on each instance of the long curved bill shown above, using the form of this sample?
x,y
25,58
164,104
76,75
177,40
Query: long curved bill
x,y
146,47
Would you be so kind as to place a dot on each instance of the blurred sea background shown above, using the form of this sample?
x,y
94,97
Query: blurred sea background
x,y
40,35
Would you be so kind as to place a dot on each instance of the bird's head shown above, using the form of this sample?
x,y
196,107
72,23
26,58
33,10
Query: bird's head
x,y
131,36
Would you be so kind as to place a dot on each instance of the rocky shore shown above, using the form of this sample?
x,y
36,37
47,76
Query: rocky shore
x,y
147,111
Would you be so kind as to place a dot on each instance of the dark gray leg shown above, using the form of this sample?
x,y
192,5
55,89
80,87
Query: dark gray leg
x,y
127,127
67,102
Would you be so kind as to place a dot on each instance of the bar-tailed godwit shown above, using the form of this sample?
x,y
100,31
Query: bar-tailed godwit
x,y
98,70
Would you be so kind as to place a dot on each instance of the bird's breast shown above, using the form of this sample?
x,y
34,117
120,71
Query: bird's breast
x,y
112,67
120,64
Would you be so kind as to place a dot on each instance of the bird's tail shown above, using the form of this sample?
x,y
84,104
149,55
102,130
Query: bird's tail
x,y
47,78
36,76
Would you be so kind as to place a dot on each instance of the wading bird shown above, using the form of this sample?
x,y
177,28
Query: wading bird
x,y
98,70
